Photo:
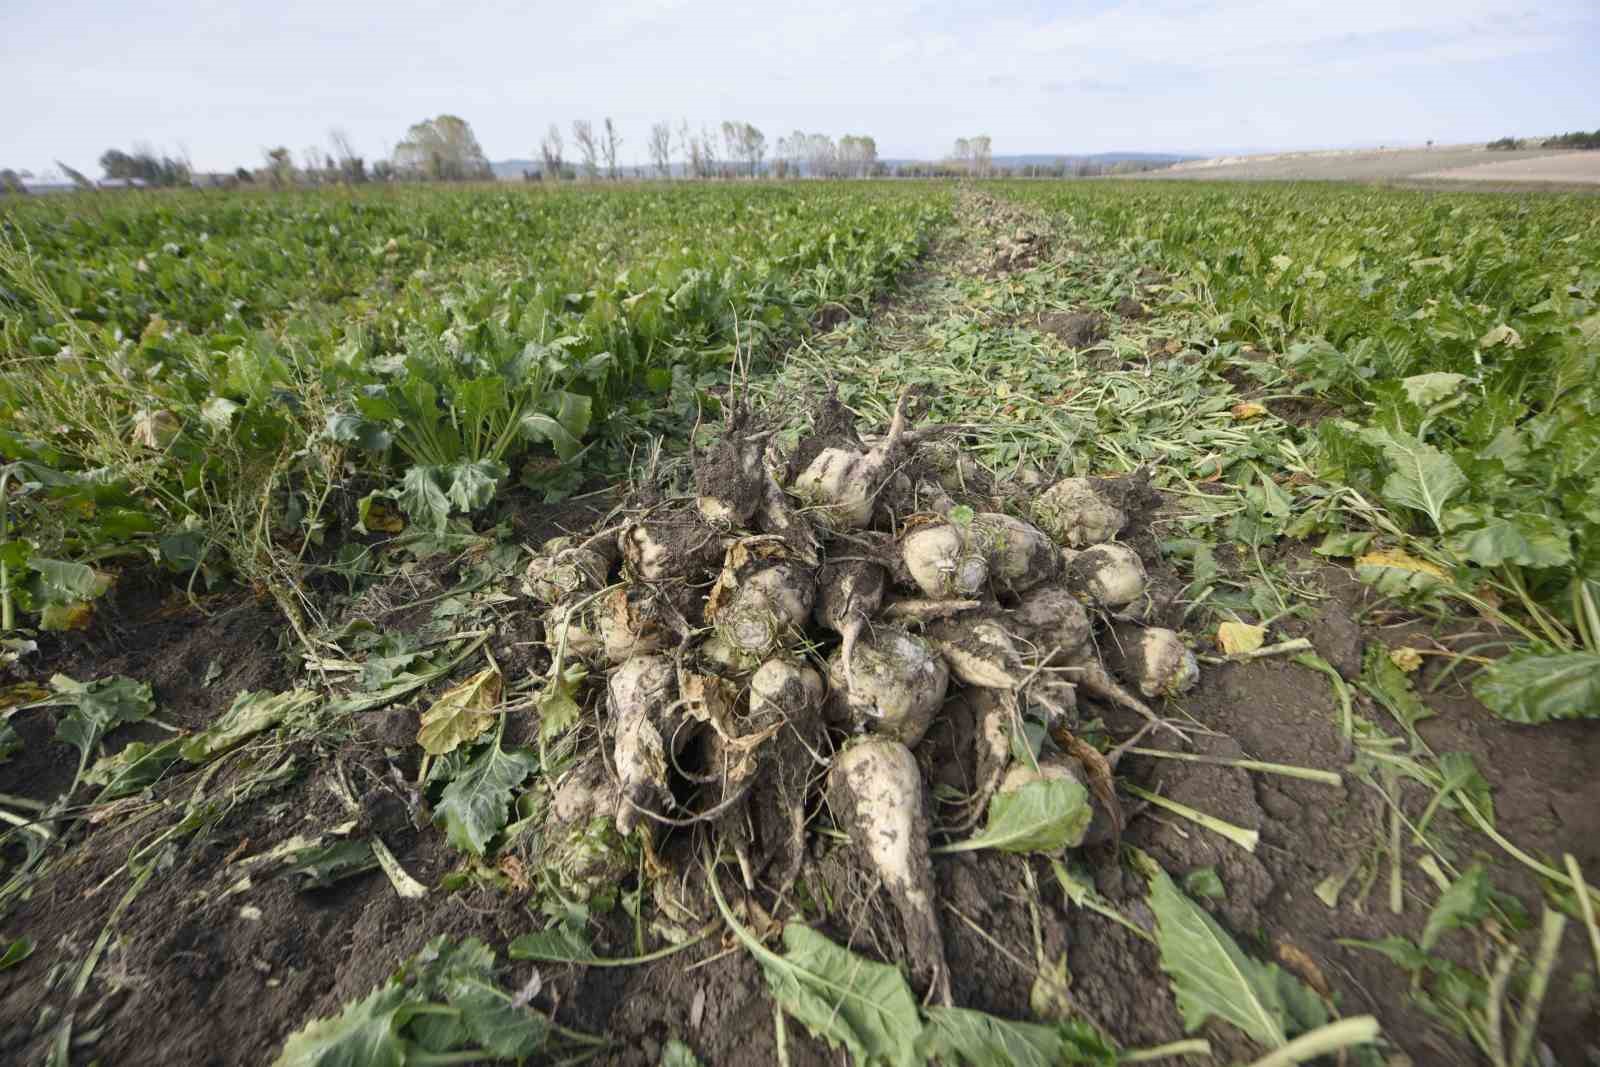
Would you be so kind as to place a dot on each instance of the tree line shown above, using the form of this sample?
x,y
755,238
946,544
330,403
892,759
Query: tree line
x,y
444,148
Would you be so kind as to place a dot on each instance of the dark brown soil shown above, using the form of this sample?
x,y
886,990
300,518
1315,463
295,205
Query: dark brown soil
x,y
1076,330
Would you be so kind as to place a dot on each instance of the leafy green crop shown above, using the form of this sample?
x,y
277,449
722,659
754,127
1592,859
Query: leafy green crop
x,y
1460,333
224,377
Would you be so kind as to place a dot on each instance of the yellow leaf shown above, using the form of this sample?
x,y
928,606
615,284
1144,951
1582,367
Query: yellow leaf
x,y
1402,560
1236,637
1248,410
461,714
1406,658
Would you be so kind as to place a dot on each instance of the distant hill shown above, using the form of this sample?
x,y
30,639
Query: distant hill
x,y
513,169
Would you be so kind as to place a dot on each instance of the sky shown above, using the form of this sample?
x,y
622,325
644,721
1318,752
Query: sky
x,y
221,80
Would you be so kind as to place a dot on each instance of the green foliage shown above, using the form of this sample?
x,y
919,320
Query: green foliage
x,y
978,1039
442,1006
96,708
1213,978
476,804
1533,686
1045,815
207,372
1459,334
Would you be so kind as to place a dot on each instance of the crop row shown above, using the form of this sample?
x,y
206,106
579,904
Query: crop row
x,y
1459,335
226,383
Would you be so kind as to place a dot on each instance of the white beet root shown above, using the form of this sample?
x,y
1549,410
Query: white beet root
x,y
1019,554
1112,575
875,793
1053,619
942,563
899,684
1075,514
842,484
1156,660
643,697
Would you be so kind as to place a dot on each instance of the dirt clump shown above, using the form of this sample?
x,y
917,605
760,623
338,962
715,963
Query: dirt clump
x,y
1075,330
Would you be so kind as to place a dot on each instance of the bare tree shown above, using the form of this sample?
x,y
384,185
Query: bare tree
x,y
79,179
350,167
981,155
608,148
588,147
661,148
279,168
708,152
752,146
550,151
822,156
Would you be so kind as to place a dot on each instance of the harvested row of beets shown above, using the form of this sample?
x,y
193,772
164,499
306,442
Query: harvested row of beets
x,y
796,627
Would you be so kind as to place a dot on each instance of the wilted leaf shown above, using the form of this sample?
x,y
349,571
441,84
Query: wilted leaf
x,y
845,999
1236,637
1532,687
363,433
365,1034
978,1039
1500,335
66,618
377,514
557,703
562,943
61,582
1248,409
1344,544
1530,540
461,714
248,715
423,500
471,485
323,865
155,429
1210,976
475,806
136,767
1045,815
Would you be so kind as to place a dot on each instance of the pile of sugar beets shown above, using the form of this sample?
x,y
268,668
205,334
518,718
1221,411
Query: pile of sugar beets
x,y
793,630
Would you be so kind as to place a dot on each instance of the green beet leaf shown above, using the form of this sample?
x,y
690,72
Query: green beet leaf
x,y
1532,687
1046,815
475,805
1211,977
978,1039
96,708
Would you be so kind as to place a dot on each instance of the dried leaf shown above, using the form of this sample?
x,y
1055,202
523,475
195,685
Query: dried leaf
x,y
1406,658
1236,637
461,715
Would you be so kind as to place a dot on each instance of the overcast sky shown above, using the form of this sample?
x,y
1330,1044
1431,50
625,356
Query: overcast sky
x,y
223,79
